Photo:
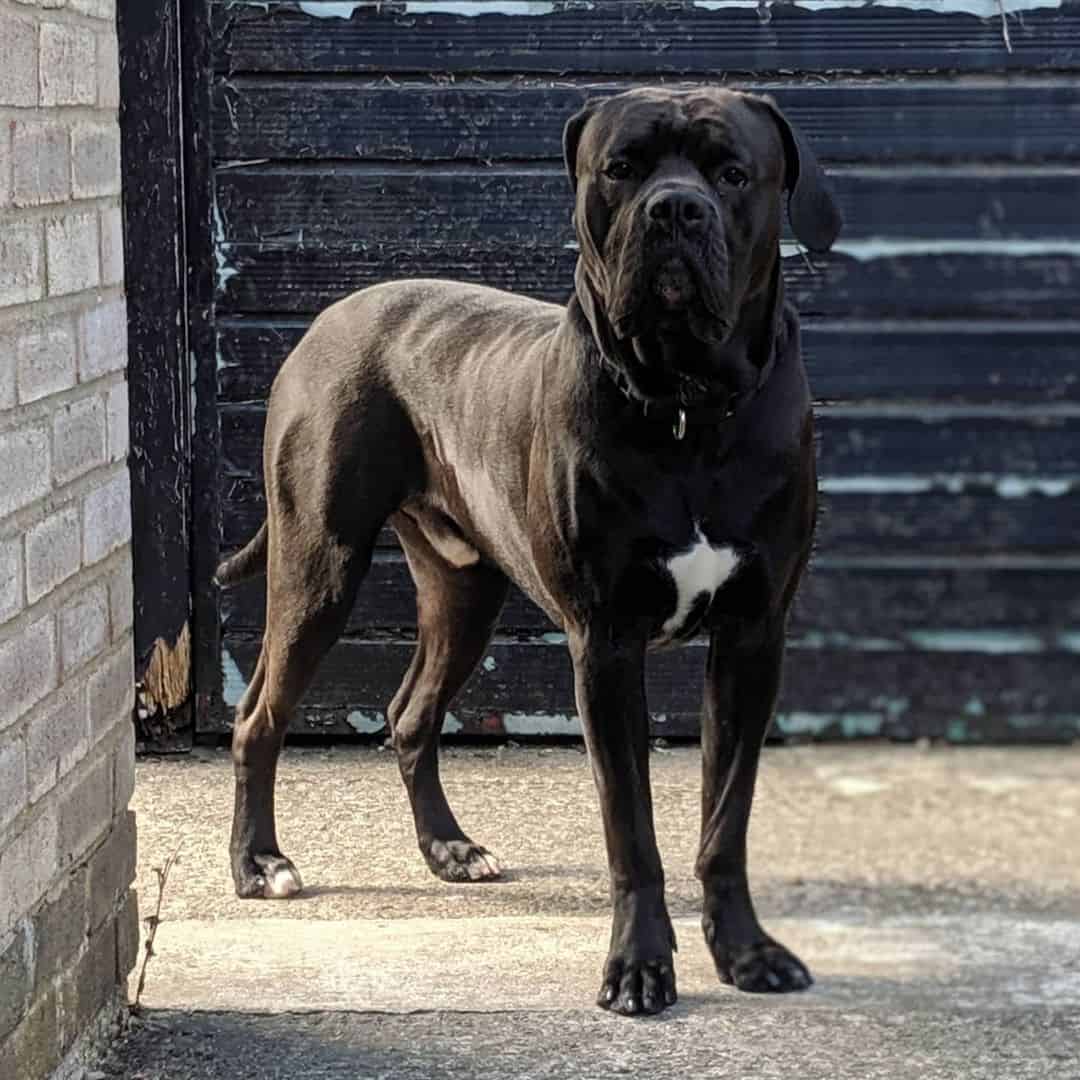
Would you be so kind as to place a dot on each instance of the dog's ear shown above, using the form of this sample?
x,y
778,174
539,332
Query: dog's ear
x,y
572,136
815,217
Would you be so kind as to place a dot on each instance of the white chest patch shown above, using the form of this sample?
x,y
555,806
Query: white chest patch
x,y
702,568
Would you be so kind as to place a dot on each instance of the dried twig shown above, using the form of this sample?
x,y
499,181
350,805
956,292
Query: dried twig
x,y
153,922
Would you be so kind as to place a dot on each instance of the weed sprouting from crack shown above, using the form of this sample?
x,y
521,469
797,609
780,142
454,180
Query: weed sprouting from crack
x,y
152,923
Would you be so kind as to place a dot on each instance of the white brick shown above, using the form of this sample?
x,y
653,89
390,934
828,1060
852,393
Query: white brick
x,y
103,331
45,358
57,740
86,810
111,694
79,435
12,780
108,62
24,467
124,768
22,269
42,165
11,577
99,9
68,65
27,669
95,160
53,552
107,518
112,246
18,61
121,597
84,627
72,250
29,864
117,408
7,368
5,164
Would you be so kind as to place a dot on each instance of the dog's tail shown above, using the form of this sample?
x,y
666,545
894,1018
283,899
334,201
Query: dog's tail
x,y
249,562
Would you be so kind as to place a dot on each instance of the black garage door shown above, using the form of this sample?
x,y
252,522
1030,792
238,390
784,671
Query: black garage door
x,y
357,142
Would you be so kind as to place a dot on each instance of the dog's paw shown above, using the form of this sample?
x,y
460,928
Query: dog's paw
x,y
638,990
266,877
765,967
461,860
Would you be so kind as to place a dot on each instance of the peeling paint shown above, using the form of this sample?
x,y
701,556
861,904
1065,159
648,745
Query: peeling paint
x,y
1069,641
1018,487
852,725
473,8
490,663
451,724
819,639
990,642
554,638
233,683
222,248
982,9
974,707
875,248
541,724
166,684
1008,487
345,9
957,731
366,723
318,9
894,707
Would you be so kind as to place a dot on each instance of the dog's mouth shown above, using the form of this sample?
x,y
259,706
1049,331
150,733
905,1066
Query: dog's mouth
x,y
672,300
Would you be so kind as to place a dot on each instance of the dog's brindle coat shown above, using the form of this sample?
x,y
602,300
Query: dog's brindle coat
x,y
640,463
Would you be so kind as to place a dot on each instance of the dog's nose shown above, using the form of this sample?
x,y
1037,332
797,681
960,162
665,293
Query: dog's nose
x,y
686,210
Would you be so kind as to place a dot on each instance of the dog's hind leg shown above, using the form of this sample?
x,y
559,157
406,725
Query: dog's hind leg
x,y
328,495
305,613
457,610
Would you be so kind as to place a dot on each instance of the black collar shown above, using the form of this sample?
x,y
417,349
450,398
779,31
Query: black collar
x,y
681,413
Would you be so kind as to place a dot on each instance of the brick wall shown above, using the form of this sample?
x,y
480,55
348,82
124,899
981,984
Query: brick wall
x,y
68,926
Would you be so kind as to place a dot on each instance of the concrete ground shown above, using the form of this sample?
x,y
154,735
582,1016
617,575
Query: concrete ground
x,y
935,894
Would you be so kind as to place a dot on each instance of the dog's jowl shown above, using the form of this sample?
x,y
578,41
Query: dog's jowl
x,y
639,462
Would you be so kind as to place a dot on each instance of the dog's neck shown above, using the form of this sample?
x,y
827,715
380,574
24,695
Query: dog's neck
x,y
738,368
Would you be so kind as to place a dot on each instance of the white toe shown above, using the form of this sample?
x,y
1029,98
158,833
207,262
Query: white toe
x,y
282,883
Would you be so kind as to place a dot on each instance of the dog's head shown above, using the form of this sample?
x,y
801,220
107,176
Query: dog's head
x,y
678,217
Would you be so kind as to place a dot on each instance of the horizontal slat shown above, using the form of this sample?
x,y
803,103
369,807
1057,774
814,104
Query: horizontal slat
x,y
943,523
527,689
877,284
834,603
849,446
938,523
638,38
343,205
994,362
419,121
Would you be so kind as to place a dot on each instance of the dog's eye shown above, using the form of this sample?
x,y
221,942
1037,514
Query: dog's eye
x,y
619,170
734,177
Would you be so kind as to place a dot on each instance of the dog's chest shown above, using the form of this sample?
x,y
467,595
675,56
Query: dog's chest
x,y
697,572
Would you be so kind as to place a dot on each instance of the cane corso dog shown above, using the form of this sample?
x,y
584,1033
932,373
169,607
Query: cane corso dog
x,y
640,463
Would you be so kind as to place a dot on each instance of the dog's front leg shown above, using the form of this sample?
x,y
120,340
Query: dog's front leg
x,y
740,692
639,975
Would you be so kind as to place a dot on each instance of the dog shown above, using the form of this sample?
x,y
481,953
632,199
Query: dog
x,y
640,463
